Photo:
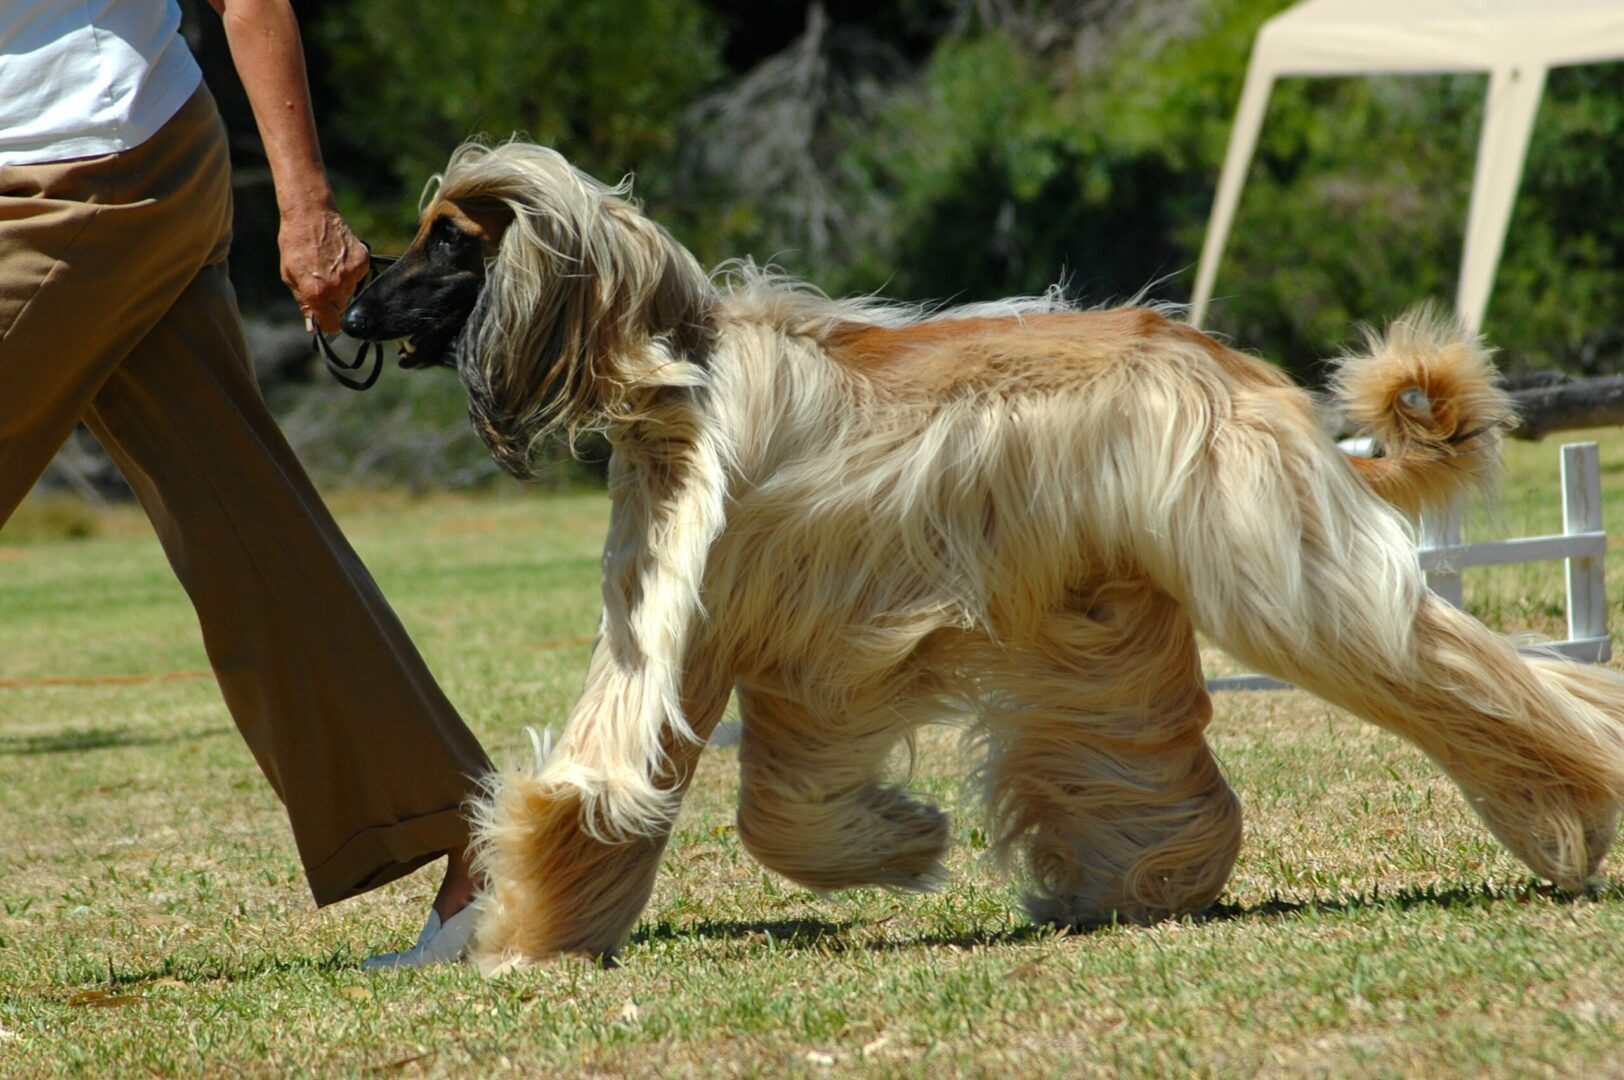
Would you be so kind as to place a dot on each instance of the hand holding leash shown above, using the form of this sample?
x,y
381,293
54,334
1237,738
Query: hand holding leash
x,y
370,350
322,263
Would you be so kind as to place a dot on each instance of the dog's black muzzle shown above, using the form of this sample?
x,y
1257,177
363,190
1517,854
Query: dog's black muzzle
x,y
422,300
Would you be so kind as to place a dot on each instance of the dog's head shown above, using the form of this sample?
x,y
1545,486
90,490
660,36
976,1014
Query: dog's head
x,y
550,293
424,299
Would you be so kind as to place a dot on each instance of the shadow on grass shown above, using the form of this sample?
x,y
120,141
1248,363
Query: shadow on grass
x,y
1481,895
97,738
790,933
821,935
832,937
197,972
827,936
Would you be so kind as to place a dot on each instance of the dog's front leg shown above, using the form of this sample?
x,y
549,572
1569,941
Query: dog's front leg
x,y
570,848
567,871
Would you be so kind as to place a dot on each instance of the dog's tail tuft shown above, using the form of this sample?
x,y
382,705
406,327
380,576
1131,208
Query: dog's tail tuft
x,y
1428,395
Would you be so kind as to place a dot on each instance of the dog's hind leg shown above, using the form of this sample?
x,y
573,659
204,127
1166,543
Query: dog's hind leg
x,y
1098,772
814,805
1295,569
1535,746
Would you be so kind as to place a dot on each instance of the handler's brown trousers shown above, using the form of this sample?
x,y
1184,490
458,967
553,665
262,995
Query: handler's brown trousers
x,y
115,309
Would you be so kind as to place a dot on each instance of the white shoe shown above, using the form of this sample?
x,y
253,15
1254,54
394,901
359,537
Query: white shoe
x,y
439,943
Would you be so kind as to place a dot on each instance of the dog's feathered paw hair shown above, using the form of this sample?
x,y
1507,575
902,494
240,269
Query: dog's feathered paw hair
x,y
1428,394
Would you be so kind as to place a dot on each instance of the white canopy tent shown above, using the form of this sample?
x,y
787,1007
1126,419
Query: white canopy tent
x,y
1515,41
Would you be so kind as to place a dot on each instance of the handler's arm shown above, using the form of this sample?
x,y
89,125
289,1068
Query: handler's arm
x,y
321,259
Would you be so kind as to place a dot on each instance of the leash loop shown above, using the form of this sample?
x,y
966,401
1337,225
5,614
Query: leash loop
x,y
342,370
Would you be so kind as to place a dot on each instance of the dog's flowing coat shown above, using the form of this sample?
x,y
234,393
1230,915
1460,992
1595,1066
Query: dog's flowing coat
x,y
865,517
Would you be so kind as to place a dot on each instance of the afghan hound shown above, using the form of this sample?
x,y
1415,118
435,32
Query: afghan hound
x,y
864,517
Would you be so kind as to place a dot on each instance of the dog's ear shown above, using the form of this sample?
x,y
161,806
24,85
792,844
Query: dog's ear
x,y
680,303
488,218
623,295
586,300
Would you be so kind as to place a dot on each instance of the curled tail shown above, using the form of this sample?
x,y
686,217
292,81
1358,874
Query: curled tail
x,y
1427,394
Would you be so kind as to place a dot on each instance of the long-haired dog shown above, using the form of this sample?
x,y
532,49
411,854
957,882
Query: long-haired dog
x,y
863,517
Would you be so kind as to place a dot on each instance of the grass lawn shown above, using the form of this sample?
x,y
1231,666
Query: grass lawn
x,y
153,918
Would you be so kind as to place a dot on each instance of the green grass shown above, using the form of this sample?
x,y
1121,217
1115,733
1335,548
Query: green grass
x,y
153,918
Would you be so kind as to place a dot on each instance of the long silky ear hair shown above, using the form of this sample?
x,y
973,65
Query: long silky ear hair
x,y
586,303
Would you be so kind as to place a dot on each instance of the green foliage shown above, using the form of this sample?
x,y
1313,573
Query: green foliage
x,y
945,150
604,79
1354,212
1559,297
1011,172
1357,204
1012,169
982,177
1006,169
1000,167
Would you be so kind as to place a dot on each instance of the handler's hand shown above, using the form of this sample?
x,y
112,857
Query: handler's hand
x,y
322,262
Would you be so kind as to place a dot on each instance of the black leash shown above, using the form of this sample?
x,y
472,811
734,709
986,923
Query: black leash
x,y
342,369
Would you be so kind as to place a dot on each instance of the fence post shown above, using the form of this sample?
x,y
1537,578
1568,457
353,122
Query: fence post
x,y
1581,512
1443,531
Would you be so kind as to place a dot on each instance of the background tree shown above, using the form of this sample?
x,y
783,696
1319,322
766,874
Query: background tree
x,y
605,78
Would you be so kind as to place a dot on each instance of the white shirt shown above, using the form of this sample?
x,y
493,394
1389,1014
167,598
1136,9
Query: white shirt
x,y
79,78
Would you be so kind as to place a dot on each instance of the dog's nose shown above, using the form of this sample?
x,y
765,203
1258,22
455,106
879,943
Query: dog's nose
x,y
356,323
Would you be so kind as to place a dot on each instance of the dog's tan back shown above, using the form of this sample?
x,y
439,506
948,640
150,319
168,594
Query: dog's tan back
x,y
1039,353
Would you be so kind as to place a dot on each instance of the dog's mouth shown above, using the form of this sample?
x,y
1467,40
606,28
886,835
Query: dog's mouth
x,y
435,346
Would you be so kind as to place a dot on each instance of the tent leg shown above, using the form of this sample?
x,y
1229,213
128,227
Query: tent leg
x,y
1508,120
1242,142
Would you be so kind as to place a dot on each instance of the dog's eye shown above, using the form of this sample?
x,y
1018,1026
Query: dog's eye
x,y
450,243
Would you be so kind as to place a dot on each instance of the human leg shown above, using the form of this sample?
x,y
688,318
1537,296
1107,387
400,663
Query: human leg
x,y
334,700
115,308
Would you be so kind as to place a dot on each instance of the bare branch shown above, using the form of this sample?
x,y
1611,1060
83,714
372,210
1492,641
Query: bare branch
x,y
1570,404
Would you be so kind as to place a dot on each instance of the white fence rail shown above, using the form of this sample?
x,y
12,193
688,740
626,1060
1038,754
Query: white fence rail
x,y
1582,544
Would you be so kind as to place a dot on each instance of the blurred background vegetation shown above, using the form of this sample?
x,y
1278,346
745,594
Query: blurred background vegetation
x,y
961,149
